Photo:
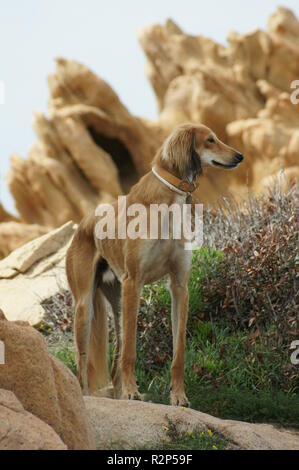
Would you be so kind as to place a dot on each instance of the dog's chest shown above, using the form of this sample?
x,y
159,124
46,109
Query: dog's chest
x,y
163,256
160,257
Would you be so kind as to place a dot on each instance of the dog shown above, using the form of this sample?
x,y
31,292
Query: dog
x,y
115,269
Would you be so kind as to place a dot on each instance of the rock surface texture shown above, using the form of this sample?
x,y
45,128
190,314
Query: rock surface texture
x,y
20,430
15,234
44,387
33,273
119,424
91,149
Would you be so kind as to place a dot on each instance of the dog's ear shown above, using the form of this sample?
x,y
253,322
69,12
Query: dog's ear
x,y
193,164
178,147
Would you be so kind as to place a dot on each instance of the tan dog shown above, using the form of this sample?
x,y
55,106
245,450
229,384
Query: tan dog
x,y
116,269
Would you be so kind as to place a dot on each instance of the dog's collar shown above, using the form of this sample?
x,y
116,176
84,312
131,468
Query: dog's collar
x,y
172,182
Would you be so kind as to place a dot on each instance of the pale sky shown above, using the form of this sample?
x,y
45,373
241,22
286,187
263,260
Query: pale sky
x,y
102,35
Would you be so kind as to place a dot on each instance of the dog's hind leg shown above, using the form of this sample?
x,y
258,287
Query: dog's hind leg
x,y
81,266
83,319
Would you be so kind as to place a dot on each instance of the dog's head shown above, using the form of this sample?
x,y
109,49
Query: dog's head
x,y
191,147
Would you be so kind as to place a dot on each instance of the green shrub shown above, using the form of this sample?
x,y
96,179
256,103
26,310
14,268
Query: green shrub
x,y
65,352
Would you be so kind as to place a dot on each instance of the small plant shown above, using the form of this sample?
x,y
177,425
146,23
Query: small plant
x,y
64,350
59,313
198,439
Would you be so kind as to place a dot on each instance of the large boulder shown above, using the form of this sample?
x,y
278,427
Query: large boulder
x,y
34,273
44,386
20,430
122,424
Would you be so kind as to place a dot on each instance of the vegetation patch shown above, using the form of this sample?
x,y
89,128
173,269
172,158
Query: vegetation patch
x,y
196,439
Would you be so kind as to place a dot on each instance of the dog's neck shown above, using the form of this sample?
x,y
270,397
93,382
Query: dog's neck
x,y
161,162
172,182
171,178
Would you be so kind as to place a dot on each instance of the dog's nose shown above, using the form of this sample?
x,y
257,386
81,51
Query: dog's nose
x,y
239,156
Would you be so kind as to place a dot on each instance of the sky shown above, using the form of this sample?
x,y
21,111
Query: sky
x,y
103,35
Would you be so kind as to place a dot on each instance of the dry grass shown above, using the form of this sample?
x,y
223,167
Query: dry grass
x,y
257,285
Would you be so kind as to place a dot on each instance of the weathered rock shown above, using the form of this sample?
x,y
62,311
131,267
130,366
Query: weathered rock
x,y
283,28
194,80
270,141
129,424
20,430
283,25
34,273
15,234
89,151
44,386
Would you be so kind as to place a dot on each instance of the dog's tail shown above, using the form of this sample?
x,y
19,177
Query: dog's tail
x,y
97,369
91,330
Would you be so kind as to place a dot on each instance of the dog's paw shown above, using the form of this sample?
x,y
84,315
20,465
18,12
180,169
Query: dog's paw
x,y
131,395
179,399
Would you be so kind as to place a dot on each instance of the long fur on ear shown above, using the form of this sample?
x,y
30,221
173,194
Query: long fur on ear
x,y
178,147
193,168
178,152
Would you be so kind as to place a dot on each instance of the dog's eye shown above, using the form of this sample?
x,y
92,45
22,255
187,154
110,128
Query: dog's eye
x,y
211,140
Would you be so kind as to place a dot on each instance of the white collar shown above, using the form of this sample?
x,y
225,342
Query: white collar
x,y
169,185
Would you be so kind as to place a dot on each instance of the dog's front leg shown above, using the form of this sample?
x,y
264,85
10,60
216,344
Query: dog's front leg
x,y
179,315
130,302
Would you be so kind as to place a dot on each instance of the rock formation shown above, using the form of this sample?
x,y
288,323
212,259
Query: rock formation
x,y
20,430
123,424
33,273
44,387
15,234
91,149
